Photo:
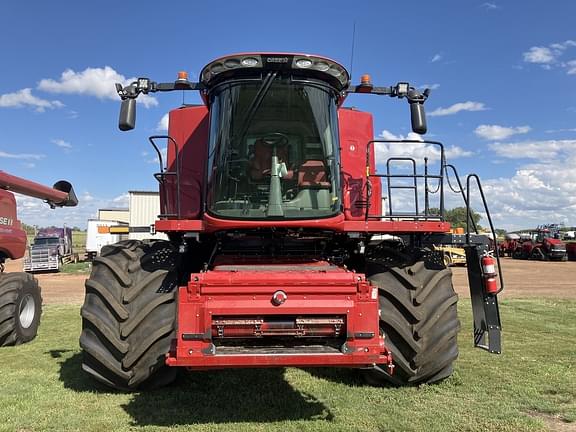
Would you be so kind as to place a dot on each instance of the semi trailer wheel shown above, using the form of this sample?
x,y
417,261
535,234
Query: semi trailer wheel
x,y
20,308
128,316
419,321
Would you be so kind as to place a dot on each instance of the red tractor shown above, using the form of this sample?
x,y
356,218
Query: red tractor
x,y
509,245
20,300
279,251
542,244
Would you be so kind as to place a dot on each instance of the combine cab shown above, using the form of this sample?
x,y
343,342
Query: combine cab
x,y
20,300
279,251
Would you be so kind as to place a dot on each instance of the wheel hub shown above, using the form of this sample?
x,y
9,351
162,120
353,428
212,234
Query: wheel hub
x,y
27,311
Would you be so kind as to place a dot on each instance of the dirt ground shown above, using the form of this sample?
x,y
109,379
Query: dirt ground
x,y
522,279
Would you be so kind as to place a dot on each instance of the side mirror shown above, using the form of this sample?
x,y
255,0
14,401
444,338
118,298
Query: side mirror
x,y
127,120
418,117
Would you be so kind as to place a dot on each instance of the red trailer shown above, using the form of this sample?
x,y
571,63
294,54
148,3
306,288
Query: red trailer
x,y
279,251
571,251
20,300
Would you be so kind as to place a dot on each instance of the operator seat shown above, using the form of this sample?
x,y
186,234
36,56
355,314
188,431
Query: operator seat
x,y
260,163
312,174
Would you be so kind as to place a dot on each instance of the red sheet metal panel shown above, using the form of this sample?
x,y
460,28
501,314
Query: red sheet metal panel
x,y
188,126
317,302
12,237
356,131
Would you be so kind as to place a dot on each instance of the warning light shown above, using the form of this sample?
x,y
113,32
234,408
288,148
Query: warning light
x,y
365,84
182,76
365,80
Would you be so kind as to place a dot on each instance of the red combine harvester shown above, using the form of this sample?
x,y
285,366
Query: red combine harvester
x,y
542,244
20,300
279,251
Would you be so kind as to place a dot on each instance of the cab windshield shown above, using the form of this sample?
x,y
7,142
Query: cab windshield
x,y
273,150
45,241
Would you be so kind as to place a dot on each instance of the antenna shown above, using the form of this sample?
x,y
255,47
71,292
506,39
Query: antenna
x,y
352,53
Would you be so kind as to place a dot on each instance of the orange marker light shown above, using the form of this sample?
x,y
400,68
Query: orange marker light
x,y
182,76
365,80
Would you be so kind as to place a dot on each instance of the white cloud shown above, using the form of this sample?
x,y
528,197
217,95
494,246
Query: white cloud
x,y
536,194
98,82
550,56
33,211
490,6
62,144
496,132
387,135
24,156
415,150
456,108
540,55
24,97
436,58
87,197
561,130
539,150
163,123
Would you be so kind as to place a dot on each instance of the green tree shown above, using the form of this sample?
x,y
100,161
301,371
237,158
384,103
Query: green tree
x,y
29,229
457,217
500,232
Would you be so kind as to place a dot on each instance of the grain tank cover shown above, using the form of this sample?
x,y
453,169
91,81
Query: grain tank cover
x,y
254,64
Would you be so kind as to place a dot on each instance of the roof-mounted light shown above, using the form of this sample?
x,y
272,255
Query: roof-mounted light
x,y
249,62
322,65
230,63
279,61
304,63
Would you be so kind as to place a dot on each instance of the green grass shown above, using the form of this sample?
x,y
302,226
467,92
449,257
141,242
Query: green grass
x,y
77,268
42,387
79,241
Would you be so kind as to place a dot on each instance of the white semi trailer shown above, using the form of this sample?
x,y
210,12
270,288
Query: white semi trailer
x,y
101,233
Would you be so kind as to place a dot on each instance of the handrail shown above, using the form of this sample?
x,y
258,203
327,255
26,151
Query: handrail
x,y
461,191
164,171
493,231
414,175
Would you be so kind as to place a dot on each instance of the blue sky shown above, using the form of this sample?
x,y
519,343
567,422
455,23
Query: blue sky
x,y
503,75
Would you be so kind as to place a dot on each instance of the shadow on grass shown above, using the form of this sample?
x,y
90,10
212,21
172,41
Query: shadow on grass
x,y
347,376
225,396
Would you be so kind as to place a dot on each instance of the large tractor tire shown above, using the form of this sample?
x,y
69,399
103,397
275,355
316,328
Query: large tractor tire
x,y
20,308
418,319
129,313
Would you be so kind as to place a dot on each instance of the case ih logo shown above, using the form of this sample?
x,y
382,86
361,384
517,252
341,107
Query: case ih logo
x,y
6,221
277,60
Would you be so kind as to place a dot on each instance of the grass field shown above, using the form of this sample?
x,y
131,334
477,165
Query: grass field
x,y
532,386
83,267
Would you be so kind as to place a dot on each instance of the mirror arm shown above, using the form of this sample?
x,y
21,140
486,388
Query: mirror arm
x,y
130,93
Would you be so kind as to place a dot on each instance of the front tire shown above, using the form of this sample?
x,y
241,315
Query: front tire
x,y
128,316
418,319
20,308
